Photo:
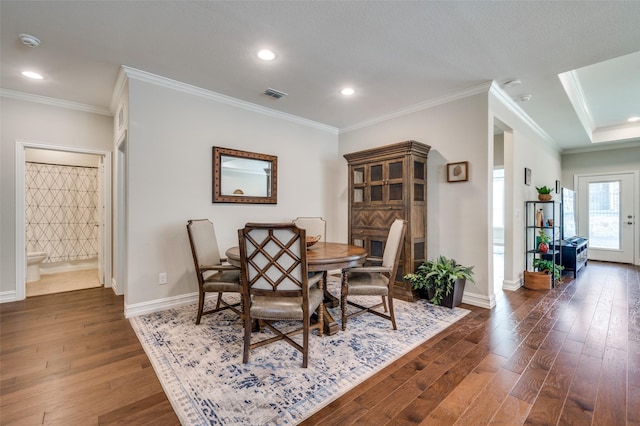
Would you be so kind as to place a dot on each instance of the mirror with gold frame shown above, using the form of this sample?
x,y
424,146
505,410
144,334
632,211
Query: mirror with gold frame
x,y
244,177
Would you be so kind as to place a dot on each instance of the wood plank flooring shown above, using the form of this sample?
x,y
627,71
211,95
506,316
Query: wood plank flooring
x,y
570,355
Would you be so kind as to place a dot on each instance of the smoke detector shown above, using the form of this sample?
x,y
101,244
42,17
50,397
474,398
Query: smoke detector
x,y
274,93
29,40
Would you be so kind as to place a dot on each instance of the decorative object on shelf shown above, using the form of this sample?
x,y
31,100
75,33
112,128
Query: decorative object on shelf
x,y
544,193
527,176
458,172
543,242
539,217
442,279
549,223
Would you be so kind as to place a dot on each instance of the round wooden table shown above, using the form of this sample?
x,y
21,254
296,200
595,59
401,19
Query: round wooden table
x,y
325,257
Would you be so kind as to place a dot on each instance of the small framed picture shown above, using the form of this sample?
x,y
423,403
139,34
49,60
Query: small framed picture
x,y
557,187
458,172
527,176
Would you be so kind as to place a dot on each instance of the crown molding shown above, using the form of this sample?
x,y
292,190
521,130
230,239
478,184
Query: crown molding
x,y
602,147
60,103
168,83
441,100
575,93
512,106
118,88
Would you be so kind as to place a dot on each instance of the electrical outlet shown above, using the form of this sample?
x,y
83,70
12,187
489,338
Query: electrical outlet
x,y
162,278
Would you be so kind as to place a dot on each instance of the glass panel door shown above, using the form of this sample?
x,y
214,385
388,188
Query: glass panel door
x,y
604,215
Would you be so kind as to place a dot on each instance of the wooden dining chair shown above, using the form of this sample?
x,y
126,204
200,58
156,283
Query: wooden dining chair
x,y
314,225
375,280
276,287
214,276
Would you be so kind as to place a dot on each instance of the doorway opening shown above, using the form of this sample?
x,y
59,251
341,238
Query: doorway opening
x,y
62,220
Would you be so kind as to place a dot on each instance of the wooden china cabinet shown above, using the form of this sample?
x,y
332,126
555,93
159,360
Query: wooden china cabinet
x,y
388,183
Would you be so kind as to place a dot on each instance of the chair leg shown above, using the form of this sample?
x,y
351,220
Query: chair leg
x,y
384,303
219,299
305,341
200,306
343,300
247,338
391,314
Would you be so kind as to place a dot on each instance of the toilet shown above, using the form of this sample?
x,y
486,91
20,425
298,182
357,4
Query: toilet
x,y
34,259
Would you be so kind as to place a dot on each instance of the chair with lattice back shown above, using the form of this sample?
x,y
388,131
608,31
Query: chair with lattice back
x,y
276,287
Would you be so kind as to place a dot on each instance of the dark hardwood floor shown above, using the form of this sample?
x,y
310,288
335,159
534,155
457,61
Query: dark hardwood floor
x,y
570,355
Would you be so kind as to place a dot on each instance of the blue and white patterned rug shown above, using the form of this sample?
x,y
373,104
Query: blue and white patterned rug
x,y
201,371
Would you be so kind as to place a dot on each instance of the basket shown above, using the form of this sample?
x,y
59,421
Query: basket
x,y
537,280
545,197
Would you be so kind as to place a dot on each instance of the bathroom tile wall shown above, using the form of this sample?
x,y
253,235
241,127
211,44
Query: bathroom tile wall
x,y
61,211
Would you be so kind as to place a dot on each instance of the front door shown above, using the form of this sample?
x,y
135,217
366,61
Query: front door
x,y
606,216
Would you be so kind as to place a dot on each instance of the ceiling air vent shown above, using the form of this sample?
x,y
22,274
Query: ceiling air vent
x,y
274,93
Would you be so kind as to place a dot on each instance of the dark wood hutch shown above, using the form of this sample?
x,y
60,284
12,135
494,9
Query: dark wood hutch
x,y
388,183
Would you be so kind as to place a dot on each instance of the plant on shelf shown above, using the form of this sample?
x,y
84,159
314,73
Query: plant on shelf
x,y
442,279
546,266
544,193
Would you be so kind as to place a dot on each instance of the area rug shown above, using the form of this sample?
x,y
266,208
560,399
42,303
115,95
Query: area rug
x,y
201,370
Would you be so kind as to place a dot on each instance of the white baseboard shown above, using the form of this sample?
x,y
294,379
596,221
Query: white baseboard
x,y
158,305
114,286
54,268
479,300
8,296
511,285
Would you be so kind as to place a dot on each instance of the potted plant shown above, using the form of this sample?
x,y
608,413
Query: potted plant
x,y
544,193
442,279
546,266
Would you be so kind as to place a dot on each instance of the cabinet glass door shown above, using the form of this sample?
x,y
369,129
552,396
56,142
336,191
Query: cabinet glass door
x,y
395,190
376,183
358,184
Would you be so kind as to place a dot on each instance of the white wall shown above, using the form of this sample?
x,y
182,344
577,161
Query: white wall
x,y
170,138
32,122
523,147
457,213
593,162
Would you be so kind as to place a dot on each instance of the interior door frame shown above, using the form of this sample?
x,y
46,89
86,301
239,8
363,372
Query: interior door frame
x,y
20,168
635,200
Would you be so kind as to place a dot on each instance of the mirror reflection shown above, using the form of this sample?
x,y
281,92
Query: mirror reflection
x,y
241,176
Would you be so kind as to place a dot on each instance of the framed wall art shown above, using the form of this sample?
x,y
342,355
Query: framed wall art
x,y
527,176
458,172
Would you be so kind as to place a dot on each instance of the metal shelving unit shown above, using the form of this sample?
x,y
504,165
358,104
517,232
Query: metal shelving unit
x,y
550,210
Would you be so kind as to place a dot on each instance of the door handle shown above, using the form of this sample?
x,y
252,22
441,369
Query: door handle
x,y
629,223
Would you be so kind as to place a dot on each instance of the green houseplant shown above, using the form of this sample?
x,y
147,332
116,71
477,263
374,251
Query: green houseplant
x,y
544,193
442,279
546,266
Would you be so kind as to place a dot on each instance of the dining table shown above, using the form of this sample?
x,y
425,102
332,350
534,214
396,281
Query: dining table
x,y
322,257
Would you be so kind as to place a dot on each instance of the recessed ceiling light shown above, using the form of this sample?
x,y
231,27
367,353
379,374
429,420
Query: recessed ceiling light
x,y
33,75
525,98
266,55
633,119
347,91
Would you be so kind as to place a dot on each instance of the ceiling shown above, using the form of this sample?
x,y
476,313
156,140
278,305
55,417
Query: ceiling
x,y
396,54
